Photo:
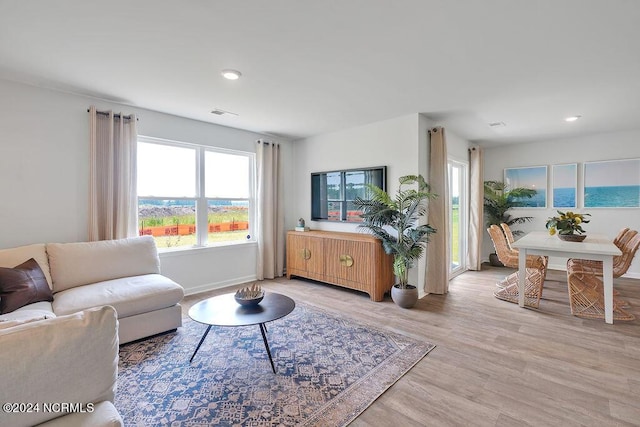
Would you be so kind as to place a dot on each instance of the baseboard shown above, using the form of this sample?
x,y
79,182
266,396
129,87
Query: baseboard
x,y
219,285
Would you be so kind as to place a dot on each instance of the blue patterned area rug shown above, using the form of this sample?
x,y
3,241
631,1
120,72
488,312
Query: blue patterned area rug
x,y
329,369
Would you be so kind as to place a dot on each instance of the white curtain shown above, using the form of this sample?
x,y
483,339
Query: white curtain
x,y
438,251
270,221
112,183
476,209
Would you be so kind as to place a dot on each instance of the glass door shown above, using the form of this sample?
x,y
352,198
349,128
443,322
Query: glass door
x,y
458,202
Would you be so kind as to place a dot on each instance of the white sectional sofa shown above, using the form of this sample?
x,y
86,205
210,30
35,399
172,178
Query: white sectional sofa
x,y
121,273
60,371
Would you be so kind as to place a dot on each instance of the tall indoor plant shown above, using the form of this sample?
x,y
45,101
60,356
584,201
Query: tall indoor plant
x,y
498,199
408,239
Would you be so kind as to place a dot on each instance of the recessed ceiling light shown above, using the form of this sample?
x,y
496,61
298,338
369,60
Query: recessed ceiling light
x,y
231,74
572,118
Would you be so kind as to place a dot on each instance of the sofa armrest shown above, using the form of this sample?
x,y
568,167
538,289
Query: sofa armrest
x,y
69,360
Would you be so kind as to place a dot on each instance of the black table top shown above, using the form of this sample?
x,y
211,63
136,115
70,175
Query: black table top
x,y
223,310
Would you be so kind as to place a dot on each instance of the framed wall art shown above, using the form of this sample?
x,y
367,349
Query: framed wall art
x,y
564,186
612,184
535,178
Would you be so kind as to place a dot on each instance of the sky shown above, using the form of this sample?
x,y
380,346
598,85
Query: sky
x,y
612,173
531,177
564,176
170,172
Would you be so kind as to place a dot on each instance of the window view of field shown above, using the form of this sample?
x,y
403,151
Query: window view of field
x,y
455,233
172,223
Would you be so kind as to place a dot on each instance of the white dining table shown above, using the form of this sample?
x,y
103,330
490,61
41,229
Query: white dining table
x,y
594,247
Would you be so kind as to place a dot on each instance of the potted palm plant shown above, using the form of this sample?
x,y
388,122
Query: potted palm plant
x,y
498,199
407,240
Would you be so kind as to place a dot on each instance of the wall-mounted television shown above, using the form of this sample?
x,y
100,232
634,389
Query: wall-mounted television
x,y
333,192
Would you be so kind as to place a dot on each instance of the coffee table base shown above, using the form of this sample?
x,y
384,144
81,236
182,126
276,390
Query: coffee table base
x,y
224,311
263,330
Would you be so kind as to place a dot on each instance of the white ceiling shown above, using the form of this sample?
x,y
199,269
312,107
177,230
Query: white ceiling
x,y
313,67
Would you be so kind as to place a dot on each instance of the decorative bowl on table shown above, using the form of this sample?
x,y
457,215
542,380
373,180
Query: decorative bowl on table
x,y
572,237
249,296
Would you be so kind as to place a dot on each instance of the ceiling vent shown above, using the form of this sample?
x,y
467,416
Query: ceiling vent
x,y
219,112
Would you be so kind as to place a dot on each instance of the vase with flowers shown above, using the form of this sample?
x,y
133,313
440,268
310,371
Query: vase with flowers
x,y
568,226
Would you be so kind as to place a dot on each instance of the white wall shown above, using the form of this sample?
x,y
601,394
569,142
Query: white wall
x,y
400,143
457,147
392,143
44,167
610,146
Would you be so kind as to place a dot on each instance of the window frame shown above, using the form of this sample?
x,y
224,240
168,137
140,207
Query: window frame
x,y
201,201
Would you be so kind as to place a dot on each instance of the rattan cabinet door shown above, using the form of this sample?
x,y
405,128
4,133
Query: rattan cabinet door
x,y
348,262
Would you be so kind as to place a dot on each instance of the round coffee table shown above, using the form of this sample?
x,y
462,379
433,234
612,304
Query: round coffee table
x,y
223,310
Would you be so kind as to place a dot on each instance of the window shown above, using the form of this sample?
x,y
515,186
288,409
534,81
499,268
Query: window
x,y
194,195
457,216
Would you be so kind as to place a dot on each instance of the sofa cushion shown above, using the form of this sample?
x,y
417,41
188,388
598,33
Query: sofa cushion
x,y
128,295
15,256
22,285
30,313
38,310
103,414
75,264
71,359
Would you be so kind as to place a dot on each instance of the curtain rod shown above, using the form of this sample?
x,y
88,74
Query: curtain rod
x,y
106,113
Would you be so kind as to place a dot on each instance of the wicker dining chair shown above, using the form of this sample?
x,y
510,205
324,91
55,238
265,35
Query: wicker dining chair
x,y
628,243
507,288
582,269
506,256
535,272
508,234
622,236
531,259
509,256
587,299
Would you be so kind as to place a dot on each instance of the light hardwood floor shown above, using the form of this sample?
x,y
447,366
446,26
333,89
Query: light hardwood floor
x,y
495,363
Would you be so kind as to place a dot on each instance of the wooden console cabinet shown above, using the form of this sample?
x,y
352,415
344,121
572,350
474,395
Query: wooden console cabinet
x,y
352,260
